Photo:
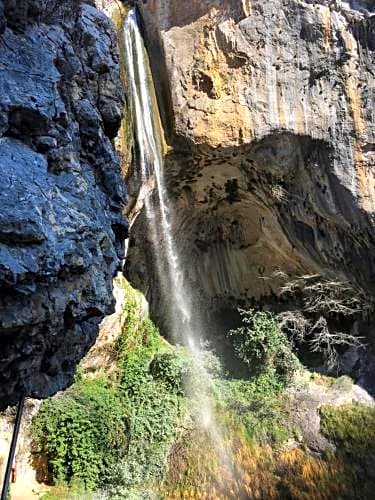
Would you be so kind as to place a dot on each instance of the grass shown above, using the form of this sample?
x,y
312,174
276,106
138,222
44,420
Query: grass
x,y
351,427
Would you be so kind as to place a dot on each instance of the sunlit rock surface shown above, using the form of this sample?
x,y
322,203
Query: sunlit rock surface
x,y
61,223
269,112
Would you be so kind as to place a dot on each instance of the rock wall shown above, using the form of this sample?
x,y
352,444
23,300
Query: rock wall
x,y
269,112
61,222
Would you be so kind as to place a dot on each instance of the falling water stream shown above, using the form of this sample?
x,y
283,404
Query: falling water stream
x,y
150,147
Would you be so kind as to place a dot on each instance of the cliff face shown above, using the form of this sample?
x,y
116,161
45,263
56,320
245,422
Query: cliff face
x,y
270,119
61,223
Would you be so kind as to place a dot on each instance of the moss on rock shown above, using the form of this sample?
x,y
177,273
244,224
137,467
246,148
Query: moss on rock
x,y
351,427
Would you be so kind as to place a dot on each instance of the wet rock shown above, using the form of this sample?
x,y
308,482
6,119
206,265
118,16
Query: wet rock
x,y
61,223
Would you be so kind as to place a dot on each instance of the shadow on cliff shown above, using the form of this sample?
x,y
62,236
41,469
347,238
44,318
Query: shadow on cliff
x,y
179,14
320,218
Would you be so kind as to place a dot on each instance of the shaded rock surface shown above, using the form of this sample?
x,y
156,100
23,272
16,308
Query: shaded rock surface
x,y
269,112
309,394
61,222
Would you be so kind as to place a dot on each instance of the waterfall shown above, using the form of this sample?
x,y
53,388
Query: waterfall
x,y
150,140
185,326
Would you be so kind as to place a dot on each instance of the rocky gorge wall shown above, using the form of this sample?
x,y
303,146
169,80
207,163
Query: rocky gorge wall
x,y
269,113
62,227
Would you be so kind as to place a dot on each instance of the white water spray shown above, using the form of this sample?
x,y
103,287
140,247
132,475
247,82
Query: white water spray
x,y
150,142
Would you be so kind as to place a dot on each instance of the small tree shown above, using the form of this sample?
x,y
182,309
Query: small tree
x,y
321,300
317,336
318,295
261,344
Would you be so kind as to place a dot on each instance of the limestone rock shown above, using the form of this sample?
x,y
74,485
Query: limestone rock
x,y
269,112
61,222
309,393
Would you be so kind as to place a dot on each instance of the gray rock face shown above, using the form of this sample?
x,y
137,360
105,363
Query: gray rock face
x,y
61,198
270,119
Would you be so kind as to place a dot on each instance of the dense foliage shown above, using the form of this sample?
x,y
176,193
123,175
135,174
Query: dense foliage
x,y
151,387
261,344
257,407
139,436
82,433
117,436
351,427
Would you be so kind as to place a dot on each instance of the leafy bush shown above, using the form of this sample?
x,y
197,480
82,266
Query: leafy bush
x,y
150,376
152,399
117,438
81,433
261,344
173,368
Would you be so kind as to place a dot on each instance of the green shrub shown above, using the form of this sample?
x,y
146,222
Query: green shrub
x,y
81,433
258,405
117,438
150,375
151,396
261,344
173,368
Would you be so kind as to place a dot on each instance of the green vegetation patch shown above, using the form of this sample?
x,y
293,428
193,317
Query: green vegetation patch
x,y
81,433
351,427
150,384
261,344
137,436
258,409
116,435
